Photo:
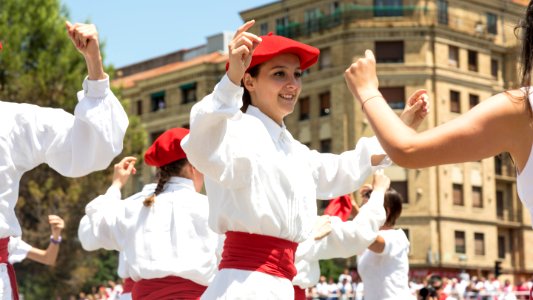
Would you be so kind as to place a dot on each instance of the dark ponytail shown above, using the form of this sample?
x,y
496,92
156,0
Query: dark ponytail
x,y
525,28
246,98
175,168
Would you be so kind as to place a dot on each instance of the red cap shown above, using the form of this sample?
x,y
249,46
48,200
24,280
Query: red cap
x,y
340,207
166,148
273,45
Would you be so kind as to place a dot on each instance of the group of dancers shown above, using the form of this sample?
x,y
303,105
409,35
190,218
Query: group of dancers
x,y
256,234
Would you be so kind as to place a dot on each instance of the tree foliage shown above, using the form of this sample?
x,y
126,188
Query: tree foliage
x,y
40,65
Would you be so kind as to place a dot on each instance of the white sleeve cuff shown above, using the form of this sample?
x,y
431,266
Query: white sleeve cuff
x,y
96,88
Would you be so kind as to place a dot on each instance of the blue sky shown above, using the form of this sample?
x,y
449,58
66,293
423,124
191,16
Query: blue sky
x,y
134,31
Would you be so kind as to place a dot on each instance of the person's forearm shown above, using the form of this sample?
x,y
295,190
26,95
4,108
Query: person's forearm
x,y
95,66
382,118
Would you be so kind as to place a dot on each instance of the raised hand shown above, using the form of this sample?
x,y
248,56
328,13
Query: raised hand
x,y
85,39
123,170
240,49
56,225
322,227
416,109
362,79
380,181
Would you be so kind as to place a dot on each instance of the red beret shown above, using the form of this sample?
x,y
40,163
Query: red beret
x,y
273,45
166,148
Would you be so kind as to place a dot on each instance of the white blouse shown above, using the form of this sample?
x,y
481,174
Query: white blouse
x,y
169,238
259,179
73,145
345,239
385,275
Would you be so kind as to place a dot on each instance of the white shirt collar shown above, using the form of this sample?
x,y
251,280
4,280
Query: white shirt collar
x,y
273,128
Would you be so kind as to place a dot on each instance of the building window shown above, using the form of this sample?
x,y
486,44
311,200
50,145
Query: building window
x,y
389,52
263,28
158,101
500,198
458,194
139,107
455,102
472,60
325,146
304,108
460,242
494,68
442,11
479,243
473,100
501,246
325,59
492,23
388,8
281,25
188,92
395,96
453,56
335,7
402,188
325,104
154,135
477,196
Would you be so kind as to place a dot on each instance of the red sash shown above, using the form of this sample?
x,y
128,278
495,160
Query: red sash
x,y
167,288
261,253
4,255
127,287
299,293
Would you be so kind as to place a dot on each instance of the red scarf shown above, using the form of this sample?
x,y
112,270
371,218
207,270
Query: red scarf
x,y
4,255
261,253
167,288
340,207
299,293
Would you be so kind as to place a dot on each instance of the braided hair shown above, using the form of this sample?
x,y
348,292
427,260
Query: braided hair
x,y
175,168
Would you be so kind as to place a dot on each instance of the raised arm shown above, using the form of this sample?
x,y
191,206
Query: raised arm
x,y
103,226
488,129
74,145
208,146
353,237
49,256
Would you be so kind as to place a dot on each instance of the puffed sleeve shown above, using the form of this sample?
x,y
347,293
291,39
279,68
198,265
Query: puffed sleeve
x,y
101,227
352,237
18,250
341,174
211,146
74,145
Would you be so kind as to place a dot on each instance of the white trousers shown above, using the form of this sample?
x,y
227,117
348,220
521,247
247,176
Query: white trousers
x,y
5,285
232,284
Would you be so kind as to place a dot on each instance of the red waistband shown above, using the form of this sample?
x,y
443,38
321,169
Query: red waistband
x,y
4,255
127,285
167,288
261,253
299,293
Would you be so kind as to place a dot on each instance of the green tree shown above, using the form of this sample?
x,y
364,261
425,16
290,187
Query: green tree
x,y
40,65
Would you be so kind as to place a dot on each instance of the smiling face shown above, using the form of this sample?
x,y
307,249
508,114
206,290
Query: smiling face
x,y
275,90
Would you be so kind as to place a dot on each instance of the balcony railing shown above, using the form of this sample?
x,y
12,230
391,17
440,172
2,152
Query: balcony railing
x,y
421,15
